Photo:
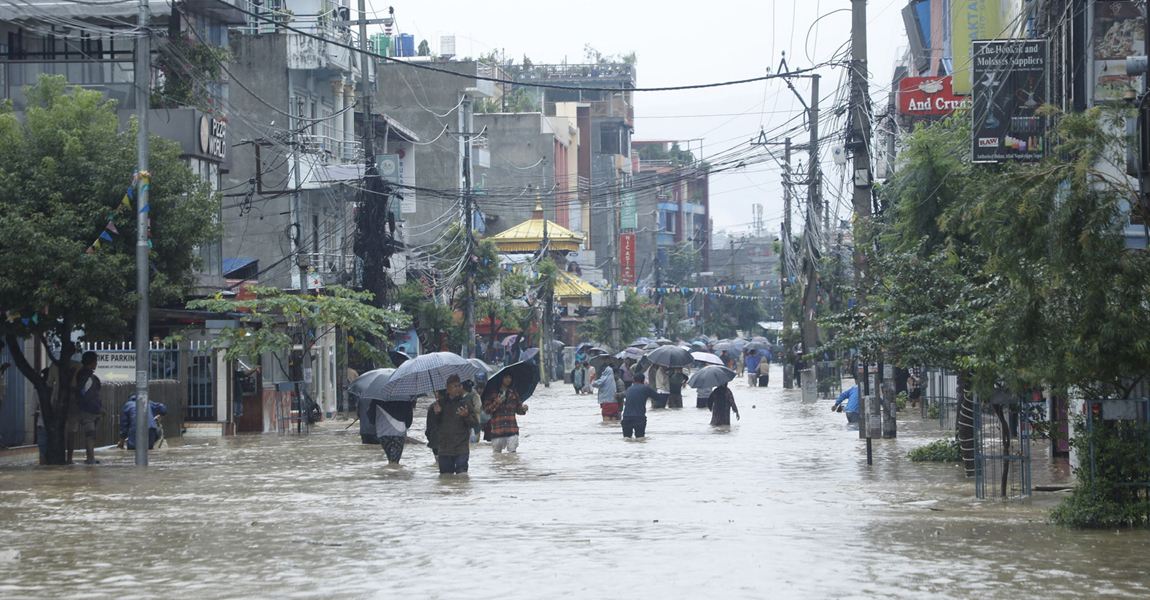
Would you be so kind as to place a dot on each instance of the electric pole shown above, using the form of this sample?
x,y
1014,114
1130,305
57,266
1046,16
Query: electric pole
x,y
784,262
365,69
613,268
469,224
143,77
810,232
859,144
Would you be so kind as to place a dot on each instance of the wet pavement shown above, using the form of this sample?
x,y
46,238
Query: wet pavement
x,y
779,505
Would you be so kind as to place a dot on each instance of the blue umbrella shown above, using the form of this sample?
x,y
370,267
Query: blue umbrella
x,y
427,373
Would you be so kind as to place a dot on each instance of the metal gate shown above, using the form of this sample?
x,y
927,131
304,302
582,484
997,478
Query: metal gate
x,y
12,427
201,382
939,396
1002,447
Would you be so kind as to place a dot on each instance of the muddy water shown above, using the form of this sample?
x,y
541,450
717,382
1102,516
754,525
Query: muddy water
x,y
779,505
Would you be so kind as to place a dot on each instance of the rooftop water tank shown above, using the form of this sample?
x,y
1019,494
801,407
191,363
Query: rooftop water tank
x,y
405,45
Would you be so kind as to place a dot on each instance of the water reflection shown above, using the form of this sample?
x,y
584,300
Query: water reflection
x,y
779,504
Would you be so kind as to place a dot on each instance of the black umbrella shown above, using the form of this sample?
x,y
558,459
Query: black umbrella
x,y
670,356
398,358
524,378
711,377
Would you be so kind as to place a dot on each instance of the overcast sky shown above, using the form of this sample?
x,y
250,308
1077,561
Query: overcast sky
x,y
682,43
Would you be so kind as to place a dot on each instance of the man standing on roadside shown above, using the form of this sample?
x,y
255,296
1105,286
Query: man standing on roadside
x,y
453,419
87,392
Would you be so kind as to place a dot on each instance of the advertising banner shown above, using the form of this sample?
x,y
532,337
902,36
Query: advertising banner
x,y
628,218
928,96
627,258
972,20
1010,84
1119,31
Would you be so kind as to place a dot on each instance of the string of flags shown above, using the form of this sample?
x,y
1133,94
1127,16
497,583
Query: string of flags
x,y
126,203
105,236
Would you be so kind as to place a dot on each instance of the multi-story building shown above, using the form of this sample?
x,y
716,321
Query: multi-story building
x,y
600,106
299,166
439,108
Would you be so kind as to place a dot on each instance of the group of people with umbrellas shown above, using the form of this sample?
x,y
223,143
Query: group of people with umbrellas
x,y
622,381
388,397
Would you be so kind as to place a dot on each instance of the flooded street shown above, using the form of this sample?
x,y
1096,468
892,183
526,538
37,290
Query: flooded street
x,y
781,504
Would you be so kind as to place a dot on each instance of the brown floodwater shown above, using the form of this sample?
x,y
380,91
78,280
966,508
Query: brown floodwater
x,y
780,505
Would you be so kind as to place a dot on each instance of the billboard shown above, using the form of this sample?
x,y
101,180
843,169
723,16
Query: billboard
x,y
628,218
969,21
627,258
1010,84
928,96
1119,31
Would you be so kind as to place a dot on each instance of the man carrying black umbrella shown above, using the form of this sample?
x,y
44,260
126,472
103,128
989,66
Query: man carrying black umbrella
x,y
452,420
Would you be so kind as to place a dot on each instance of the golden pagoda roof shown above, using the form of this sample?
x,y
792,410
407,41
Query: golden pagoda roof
x,y
572,288
526,237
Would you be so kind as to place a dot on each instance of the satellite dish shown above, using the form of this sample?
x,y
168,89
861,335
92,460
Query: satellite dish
x,y
840,155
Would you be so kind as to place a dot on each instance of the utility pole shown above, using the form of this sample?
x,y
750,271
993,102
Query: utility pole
x,y
784,262
301,260
469,224
545,318
365,69
858,142
613,268
143,77
814,207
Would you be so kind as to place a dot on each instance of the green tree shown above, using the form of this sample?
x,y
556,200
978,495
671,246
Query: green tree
x,y
312,314
424,49
63,173
635,320
188,69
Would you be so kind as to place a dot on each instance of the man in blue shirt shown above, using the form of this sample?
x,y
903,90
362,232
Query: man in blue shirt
x,y
852,407
128,423
752,362
635,407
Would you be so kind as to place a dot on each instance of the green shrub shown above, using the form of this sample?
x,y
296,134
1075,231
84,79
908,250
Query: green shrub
x,y
944,450
933,410
900,401
1104,497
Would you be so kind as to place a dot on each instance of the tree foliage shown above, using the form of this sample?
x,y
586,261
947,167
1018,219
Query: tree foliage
x,y
64,170
271,309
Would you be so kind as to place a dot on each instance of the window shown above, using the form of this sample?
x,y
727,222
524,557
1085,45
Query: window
x,y
667,221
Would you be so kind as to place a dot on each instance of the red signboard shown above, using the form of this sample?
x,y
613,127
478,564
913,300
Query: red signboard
x,y
627,258
928,96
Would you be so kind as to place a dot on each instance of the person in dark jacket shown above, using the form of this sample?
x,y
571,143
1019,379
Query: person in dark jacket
x,y
635,411
452,419
156,412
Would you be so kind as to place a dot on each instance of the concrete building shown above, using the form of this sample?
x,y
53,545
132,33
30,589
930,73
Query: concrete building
x,y
531,155
601,107
299,175
439,109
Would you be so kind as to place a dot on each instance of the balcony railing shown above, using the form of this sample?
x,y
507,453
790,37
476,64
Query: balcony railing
x,y
340,151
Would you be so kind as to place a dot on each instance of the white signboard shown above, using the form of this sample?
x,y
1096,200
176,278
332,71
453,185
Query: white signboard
x,y
119,365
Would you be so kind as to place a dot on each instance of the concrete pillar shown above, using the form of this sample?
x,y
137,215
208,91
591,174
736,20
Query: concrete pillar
x,y
349,122
337,122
